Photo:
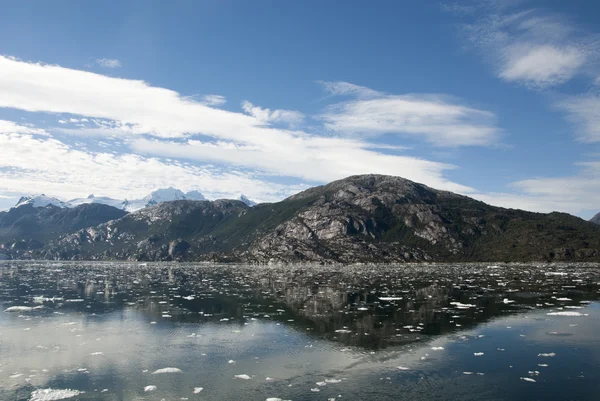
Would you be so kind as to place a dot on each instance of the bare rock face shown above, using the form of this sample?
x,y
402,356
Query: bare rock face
x,y
350,219
596,219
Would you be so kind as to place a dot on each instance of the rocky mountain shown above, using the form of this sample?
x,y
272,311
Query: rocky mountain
x,y
368,218
596,219
26,228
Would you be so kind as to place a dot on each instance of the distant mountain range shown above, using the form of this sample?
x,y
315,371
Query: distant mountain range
x,y
154,198
369,218
596,219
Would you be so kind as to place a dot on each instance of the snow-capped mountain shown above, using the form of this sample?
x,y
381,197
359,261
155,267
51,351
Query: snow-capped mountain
x,y
159,196
247,201
105,200
41,201
194,195
154,198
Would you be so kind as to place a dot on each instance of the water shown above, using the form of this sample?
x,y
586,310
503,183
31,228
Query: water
x,y
110,331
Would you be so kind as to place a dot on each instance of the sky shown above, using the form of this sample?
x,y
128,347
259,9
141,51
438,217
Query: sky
x,y
496,100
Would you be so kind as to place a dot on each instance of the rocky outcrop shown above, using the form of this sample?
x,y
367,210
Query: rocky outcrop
x,y
596,219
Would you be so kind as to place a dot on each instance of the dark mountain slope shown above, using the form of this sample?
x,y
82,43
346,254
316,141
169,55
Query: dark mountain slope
x,y
369,218
26,227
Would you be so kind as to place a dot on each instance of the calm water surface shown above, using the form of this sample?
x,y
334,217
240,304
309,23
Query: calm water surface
x,y
128,331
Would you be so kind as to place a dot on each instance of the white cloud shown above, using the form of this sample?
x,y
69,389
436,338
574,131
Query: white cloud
x,y
267,116
437,119
46,165
529,46
313,159
12,128
214,100
574,194
108,62
543,65
128,108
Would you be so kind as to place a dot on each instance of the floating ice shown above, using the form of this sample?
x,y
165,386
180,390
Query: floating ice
x,y
528,379
437,348
14,309
390,298
564,299
460,305
565,313
149,388
478,353
197,390
48,394
403,368
333,381
166,370
551,354
321,384
231,361
343,331
96,353
508,301
243,377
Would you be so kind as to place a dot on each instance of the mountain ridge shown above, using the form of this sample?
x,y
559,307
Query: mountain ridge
x,y
367,218
155,197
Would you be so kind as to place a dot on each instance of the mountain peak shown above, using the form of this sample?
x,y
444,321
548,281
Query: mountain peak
x,y
194,195
247,201
596,219
41,201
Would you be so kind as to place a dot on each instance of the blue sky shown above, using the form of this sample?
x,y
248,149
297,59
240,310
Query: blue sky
x,y
496,100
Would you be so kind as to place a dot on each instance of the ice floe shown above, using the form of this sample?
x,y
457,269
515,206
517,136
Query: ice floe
x,y
565,313
166,370
49,394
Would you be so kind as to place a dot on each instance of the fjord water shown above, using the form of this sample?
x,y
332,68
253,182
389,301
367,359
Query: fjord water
x,y
111,331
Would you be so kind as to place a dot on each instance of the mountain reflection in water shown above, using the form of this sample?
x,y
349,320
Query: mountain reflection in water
x,y
350,323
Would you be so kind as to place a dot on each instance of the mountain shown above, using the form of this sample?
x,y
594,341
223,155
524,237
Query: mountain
x,y
154,198
41,201
26,227
160,196
194,195
368,218
247,201
96,199
596,219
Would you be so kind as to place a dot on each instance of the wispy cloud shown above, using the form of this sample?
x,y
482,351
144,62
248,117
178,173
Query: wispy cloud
x,y
106,63
577,193
267,116
528,46
438,119
584,112
214,100
341,88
